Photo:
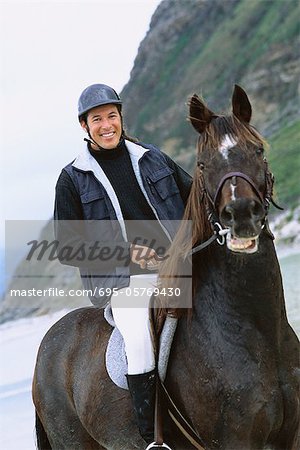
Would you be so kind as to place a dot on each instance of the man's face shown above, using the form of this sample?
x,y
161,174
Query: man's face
x,y
105,126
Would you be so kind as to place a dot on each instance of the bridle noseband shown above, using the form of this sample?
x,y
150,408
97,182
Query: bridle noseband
x,y
234,175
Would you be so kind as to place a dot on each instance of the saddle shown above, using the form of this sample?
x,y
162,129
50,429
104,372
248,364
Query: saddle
x,y
163,330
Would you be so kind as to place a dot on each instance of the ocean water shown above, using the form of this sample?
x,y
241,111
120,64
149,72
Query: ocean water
x,y
2,274
290,269
19,342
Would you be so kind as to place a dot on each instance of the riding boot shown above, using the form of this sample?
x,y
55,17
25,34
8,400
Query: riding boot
x,y
142,388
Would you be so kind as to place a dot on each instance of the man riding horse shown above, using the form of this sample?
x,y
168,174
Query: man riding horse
x,y
233,371
119,179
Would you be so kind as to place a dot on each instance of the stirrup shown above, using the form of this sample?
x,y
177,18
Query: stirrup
x,y
154,445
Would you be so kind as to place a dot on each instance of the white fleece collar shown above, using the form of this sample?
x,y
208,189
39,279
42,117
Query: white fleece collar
x,y
85,161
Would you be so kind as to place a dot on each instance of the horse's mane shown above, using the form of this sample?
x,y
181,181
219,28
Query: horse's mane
x,y
195,227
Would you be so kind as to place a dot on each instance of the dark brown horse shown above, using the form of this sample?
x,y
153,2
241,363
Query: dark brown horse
x,y
233,369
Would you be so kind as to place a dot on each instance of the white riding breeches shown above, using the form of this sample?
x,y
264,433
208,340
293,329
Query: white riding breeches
x,y
130,308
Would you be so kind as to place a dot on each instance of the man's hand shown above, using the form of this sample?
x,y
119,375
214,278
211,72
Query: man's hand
x,y
145,257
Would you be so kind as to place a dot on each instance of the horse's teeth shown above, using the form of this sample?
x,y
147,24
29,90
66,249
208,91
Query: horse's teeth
x,y
241,245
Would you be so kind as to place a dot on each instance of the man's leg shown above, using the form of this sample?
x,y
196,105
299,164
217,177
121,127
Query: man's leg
x,y
131,317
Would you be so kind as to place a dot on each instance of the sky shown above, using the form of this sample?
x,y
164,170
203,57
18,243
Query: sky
x,y
49,52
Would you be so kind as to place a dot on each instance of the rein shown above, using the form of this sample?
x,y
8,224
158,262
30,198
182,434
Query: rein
x,y
186,429
219,236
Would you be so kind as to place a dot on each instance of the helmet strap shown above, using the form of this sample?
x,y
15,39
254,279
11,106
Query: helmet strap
x,y
91,140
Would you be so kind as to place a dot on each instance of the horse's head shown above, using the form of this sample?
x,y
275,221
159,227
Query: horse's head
x,y
233,177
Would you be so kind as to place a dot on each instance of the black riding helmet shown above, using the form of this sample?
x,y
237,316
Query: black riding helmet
x,y
97,95
93,96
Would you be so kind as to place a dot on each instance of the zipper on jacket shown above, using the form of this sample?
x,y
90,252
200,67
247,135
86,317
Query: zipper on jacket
x,y
150,184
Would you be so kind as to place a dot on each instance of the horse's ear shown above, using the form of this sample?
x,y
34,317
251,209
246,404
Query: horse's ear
x,y
200,115
241,107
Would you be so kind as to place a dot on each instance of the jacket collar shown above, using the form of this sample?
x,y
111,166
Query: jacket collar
x,y
86,162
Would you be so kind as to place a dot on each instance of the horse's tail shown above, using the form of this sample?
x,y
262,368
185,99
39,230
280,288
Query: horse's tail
x,y
42,441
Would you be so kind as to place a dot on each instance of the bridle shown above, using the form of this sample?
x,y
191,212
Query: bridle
x,y
211,203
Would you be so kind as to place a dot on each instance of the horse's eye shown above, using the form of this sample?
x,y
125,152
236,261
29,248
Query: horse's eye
x,y
260,151
200,165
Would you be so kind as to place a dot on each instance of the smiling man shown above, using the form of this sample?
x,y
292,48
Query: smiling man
x,y
113,182
103,123
104,126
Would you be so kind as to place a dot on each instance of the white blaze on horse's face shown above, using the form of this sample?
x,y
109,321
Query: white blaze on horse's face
x,y
227,143
233,188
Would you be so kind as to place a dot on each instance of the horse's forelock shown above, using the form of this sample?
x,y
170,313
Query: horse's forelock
x,y
243,133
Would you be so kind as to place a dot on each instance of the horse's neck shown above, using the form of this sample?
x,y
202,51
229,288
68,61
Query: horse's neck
x,y
246,288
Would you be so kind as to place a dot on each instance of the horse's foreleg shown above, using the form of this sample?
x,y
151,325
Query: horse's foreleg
x,y
42,441
73,436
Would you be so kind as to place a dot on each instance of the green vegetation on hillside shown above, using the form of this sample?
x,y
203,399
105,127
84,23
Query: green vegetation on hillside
x,y
284,159
254,43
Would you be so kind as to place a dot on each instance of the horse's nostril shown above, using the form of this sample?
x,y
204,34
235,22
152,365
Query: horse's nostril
x,y
256,210
229,210
227,214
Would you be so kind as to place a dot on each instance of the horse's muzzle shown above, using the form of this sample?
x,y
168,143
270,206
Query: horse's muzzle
x,y
244,218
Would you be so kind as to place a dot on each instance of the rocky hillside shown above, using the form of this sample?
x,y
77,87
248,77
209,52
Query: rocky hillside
x,y
203,46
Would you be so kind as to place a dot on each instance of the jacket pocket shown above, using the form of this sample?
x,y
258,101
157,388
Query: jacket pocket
x,y
162,182
94,205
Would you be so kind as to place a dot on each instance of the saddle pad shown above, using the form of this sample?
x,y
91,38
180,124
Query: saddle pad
x,y
115,357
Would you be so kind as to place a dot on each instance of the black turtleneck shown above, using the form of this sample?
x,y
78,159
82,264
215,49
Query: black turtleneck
x,y
116,164
146,230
